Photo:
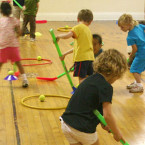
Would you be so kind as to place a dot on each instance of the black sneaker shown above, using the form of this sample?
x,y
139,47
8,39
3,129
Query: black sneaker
x,y
25,84
27,31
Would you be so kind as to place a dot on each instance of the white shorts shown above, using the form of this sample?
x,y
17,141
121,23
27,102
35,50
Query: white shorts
x,y
74,136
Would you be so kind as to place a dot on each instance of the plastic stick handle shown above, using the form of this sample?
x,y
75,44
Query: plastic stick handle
x,y
65,73
18,4
102,120
14,67
60,54
100,117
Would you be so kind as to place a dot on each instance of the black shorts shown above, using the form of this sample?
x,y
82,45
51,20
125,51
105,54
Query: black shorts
x,y
83,68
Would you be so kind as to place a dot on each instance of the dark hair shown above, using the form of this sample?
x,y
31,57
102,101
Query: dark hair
x,y
6,8
85,15
142,22
98,37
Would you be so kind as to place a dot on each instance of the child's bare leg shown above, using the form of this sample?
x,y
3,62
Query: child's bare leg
x,y
21,69
137,77
1,64
81,79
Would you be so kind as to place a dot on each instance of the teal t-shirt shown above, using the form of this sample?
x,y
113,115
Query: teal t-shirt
x,y
137,36
31,7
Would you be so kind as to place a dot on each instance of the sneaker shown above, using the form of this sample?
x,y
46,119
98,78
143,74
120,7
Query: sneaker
x,y
131,85
32,39
25,84
27,31
136,89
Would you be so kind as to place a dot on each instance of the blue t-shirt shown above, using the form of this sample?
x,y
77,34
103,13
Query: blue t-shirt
x,y
21,2
100,51
137,36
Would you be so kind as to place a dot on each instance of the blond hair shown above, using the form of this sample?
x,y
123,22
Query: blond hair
x,y
127,19
110,63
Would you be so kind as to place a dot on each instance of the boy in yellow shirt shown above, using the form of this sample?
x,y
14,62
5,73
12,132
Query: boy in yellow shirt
x,y
83,54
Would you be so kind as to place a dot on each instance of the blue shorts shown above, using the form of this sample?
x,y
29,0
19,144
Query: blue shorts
x,y
83,68
138,65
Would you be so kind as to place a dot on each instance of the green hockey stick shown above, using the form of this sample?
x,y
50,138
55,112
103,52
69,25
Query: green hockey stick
x,y
18,4
102,120
62,61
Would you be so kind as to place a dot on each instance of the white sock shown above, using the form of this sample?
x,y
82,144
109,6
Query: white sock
x,y
139,84
24,76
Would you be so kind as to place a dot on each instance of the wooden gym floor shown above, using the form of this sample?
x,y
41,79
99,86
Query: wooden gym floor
x,y
20,125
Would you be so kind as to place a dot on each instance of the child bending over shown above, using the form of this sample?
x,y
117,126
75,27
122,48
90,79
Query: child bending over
x,y
135,39
95,92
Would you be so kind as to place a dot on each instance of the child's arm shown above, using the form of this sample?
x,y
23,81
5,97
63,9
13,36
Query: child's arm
x,y
106,128
64,36
107,113
132,55
134,50
66,53
18,31
23,9
37,7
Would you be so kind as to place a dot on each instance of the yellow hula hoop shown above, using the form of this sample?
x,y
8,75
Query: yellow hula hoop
x,y
43,108
64,29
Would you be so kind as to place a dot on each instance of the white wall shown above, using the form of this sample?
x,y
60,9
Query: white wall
x,y
66,10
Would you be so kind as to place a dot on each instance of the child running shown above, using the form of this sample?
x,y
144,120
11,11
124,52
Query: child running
x,y
135,39
83,55
8,41
78,122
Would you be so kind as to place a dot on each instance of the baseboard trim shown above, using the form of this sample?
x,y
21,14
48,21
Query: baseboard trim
x,y
97,16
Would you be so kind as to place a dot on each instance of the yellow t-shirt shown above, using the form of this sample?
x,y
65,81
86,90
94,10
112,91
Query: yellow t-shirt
x,y
83,48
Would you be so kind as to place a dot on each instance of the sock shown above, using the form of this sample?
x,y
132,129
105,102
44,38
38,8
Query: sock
x,y
139,84
24,76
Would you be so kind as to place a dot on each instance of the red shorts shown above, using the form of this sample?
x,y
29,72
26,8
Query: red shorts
x,y
9,53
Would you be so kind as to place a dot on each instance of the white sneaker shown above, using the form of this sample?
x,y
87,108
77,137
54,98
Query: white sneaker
x,y
32,39
136,89
131,85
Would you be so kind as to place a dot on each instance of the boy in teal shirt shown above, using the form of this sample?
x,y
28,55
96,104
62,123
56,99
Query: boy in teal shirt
x,y
30,11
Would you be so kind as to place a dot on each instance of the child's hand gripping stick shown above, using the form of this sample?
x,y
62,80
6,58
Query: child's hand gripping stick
x,y
60,54
102,120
